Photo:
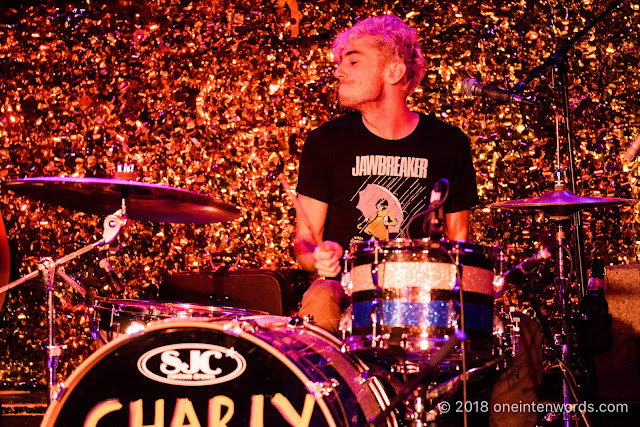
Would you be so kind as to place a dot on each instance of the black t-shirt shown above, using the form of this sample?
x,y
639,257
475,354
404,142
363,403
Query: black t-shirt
x,y
374,186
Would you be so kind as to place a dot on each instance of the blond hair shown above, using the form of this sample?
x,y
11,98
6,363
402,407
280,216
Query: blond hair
x,y
394,39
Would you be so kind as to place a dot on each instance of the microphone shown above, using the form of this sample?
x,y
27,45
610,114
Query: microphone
x,y
471,87
114,279
633,149
434,228
518,274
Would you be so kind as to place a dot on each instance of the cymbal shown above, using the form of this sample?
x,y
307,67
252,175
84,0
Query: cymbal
x,y
561,202
143,201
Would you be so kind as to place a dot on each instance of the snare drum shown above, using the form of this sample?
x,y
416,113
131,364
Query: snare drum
x,y
125,316
406,294
252,371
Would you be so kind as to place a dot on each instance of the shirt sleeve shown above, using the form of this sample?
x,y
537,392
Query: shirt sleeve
x,y
313,176
463,191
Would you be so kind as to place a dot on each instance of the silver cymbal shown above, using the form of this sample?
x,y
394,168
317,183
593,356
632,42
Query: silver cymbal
x,y
561,202
143,201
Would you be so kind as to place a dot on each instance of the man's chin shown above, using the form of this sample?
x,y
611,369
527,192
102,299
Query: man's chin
x,y
347,103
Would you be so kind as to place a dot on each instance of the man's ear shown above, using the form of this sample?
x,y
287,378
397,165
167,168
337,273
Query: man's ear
x,y
395,72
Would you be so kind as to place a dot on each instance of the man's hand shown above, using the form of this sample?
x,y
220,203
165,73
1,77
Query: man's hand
x,y
326,259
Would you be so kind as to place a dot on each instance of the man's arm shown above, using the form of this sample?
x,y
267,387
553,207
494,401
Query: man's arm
x,y
456,225
323,259
5,260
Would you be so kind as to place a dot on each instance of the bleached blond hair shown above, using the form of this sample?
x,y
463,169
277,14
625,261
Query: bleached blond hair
x,y
394,39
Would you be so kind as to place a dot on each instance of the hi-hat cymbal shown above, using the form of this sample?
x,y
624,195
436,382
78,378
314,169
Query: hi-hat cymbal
x,y
143,201
561,202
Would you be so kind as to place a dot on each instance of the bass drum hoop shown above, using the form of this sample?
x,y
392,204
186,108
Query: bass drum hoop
x,y
53,411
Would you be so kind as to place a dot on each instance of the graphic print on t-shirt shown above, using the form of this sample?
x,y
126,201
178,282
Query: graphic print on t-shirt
x,y
383,201
381,210
408,167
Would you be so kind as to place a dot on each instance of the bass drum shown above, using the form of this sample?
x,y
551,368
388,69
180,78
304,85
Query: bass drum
x,y
253,371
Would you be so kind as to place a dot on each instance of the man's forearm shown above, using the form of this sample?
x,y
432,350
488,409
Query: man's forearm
x,y
303,250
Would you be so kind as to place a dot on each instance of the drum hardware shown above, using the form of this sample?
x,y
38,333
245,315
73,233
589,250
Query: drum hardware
x,y
452,342
374,266
119,199
559,60
559,205
299,322
463,345
432,227
514,327
47,269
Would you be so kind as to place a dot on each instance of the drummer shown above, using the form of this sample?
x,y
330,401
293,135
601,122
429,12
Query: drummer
x,y
383,150
382,146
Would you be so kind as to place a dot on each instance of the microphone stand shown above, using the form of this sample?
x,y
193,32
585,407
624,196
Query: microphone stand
x,y
559,60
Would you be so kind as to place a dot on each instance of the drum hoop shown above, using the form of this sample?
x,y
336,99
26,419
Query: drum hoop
x,y
155,307
405,244
77,375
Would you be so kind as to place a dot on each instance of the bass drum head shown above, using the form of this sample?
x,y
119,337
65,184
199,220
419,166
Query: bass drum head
x,y
256,371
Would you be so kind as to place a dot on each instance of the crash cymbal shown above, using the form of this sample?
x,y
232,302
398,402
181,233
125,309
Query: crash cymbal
x,y
143,201
561,202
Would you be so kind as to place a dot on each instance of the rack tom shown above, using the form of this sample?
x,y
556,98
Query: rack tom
x,y
406,297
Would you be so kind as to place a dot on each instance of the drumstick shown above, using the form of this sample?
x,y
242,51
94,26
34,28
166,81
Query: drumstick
x,y
300,212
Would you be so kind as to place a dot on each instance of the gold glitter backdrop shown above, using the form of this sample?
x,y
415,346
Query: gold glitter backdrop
x,y
217,97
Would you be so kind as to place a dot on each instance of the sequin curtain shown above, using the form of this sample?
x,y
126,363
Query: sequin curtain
x,y
217,97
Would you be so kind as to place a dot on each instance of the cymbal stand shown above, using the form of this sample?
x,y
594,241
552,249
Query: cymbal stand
x,y
558,59
47,271
562,339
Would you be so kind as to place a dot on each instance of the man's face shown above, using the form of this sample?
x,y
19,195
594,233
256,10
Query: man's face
x,y
360,74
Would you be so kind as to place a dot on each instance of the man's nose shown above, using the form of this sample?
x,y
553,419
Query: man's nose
x,y
339,72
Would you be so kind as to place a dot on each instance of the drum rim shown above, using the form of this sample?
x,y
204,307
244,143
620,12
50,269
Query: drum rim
x,y
55,407
151,305
423,243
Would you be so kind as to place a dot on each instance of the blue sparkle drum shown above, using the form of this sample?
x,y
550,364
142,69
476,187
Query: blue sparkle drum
x,y
251,371
406,298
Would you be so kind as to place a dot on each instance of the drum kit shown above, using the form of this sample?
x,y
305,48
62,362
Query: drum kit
x,y
421,310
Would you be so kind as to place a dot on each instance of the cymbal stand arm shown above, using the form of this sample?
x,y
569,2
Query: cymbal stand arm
x,y
61,261
69,280
559,172
112,225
